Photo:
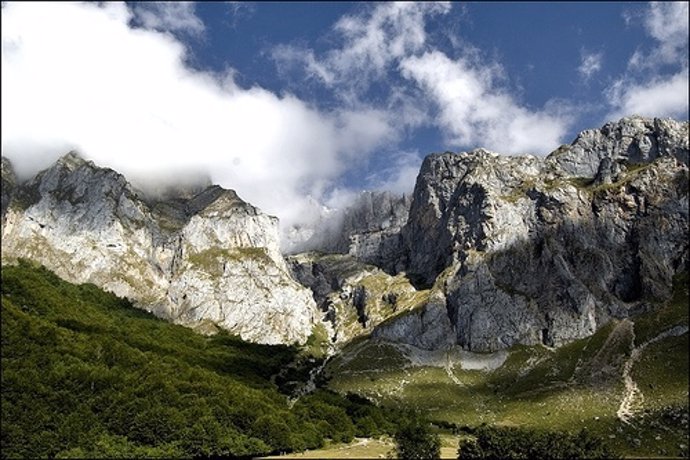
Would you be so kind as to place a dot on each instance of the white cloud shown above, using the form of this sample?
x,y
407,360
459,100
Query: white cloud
x,y
363,130
667,22
590,64
644,89
389,41
289,56
78,76
168,16
370,42
240,11
393,30
475,113
660,97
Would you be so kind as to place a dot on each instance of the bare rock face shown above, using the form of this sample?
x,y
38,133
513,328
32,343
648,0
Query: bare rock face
x,y
372,226
355,298
9,186
455,208
525,250
369,230
632,139
428,325
490,252
209,261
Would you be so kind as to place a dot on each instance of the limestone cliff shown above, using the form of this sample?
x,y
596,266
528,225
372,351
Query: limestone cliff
x,y
371,229
354,297
527,250
205,260
9,186
489,252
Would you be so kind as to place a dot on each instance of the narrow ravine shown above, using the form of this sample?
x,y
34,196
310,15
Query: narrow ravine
x,y
310,385
633,396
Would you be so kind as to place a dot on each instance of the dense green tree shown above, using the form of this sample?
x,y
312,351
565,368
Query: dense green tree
x,y
514,443
470,449
273,431
415,440
110,446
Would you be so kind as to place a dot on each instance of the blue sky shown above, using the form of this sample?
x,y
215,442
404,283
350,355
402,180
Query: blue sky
x,y
296,105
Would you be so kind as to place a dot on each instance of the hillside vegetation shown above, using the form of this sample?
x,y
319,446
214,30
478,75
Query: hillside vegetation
x,y
84,374
627,384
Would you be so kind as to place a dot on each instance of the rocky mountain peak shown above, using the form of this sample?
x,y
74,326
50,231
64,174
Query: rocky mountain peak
x,y
207,261
216,200
73,160
631,139
532,250
368,229
501,250
7,169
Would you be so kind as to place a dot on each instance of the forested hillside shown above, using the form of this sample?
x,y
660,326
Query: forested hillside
x,y
84,374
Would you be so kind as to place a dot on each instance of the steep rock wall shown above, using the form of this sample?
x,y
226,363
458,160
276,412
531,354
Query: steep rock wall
x,y
209,261
534,250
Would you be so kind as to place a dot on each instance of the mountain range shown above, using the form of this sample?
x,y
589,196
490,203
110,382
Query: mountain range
x,y
490,251
515,291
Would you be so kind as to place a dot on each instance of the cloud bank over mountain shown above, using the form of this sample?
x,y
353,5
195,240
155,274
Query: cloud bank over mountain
x,y
79,76
115,82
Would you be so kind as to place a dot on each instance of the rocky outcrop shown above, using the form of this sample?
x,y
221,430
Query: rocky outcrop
x,y
546,251
490,252
9,185
354,297
464,202
427,325
634,140
206,260
369,229
372,229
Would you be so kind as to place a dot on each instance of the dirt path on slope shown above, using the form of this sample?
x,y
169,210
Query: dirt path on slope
x,y
633,397
449,370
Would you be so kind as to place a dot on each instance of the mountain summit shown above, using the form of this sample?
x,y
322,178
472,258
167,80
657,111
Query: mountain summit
x,y
528,250
210,260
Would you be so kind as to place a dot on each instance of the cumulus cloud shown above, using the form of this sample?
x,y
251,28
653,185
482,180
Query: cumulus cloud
x,y
110,80
656,84
473,111
363,129
660,97
389,42
168,16
590,64
369,43
367,47
667,23
80,76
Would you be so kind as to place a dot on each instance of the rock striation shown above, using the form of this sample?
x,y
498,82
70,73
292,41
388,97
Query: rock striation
x,y
207,260
372,227
522,250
